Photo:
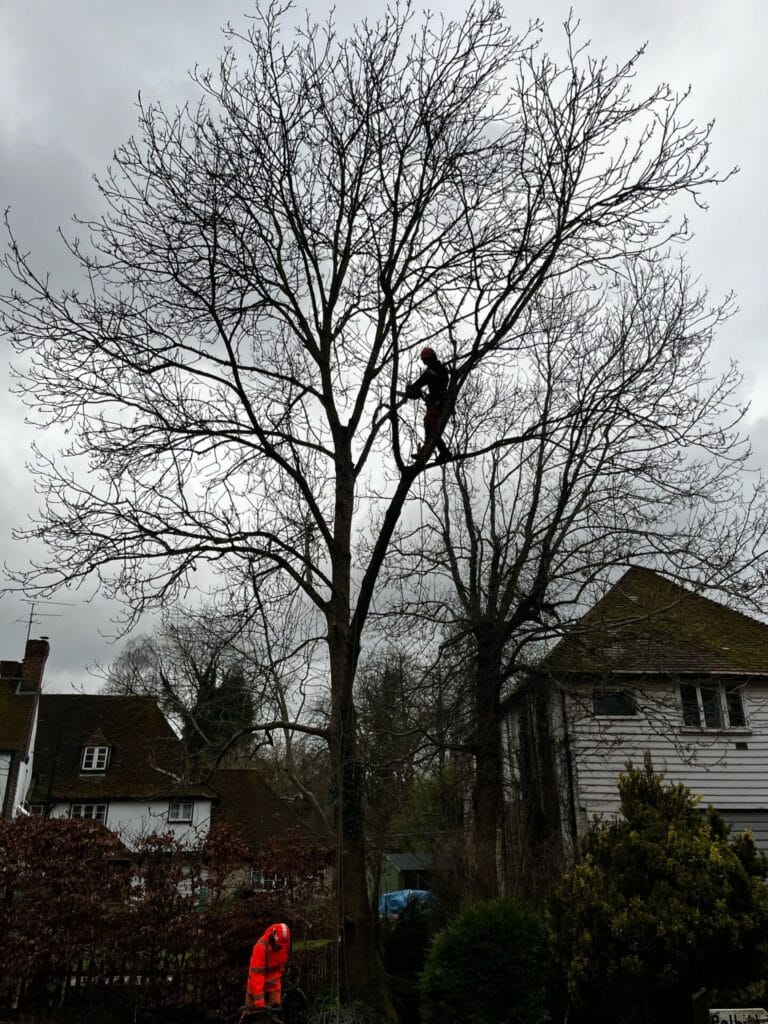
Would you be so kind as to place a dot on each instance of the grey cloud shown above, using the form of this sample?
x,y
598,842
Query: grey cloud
x,y
69,75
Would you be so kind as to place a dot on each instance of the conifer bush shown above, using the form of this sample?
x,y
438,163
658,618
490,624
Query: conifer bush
x,y
664,902
489,966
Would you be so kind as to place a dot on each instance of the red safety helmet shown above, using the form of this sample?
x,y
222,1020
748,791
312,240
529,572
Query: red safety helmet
x,y
280,935
427,353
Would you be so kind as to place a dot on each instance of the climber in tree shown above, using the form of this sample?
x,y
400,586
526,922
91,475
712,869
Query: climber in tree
x,y
435,378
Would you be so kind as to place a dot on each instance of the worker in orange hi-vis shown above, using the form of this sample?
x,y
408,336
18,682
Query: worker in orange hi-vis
x,y
265,973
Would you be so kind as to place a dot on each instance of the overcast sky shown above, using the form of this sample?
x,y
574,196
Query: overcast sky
x,y
70,72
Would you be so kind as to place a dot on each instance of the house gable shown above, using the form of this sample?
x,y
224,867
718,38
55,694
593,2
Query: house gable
x,y
20,685
250,807
117,760
624,681
15,714
649,624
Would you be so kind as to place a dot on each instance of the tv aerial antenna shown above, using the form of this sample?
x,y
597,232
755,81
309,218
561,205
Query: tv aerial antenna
x,y
35,617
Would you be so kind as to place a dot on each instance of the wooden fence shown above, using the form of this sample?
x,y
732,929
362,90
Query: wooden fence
x,y
192,992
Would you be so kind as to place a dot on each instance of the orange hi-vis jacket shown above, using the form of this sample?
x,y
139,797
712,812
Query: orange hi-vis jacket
x,y
268,961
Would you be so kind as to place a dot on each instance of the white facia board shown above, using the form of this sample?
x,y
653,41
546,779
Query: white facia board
x,y
747,1015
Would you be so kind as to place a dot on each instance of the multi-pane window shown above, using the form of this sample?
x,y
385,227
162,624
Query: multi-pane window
x,y
95,759
712,705
264,881
90,812
193,890
180,811
615,703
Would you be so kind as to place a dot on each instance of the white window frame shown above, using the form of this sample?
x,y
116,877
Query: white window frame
x,y
723,708
95,812
178,818
261,881
95,759
184,888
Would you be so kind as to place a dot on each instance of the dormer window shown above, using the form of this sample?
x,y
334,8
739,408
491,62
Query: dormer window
x,y
95,759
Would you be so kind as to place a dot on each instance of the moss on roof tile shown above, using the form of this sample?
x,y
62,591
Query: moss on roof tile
x,y
648,623
147,759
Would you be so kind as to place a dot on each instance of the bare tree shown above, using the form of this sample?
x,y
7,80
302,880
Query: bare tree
x,y
637,460
394,718
231,676
269,261
206,673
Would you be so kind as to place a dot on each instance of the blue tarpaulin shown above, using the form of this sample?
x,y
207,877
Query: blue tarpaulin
x,y
393,903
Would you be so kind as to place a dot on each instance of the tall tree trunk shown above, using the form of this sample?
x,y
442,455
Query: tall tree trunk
x,y
487,790
361,972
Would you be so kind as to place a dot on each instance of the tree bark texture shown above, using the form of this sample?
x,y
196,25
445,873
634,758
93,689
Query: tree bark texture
x,y
487,789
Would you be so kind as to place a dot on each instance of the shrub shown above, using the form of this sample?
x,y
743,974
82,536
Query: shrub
x,y
404,945
663,903
489,966
405,940
75,902
56,879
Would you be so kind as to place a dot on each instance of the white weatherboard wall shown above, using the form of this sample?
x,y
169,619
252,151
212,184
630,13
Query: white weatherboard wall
x,y
5,769
706,761
25,768
134,818
555,744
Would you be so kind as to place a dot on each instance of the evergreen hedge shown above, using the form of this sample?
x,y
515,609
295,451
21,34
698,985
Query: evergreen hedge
x,y
489,966
664,902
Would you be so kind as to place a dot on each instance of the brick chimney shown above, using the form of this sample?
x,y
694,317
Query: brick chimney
x,y
35,657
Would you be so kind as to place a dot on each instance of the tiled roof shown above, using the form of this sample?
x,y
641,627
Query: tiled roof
x,y
146,757
411,861
15,713
249,806
647,623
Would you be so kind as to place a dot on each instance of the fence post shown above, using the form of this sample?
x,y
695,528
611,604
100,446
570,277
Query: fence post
x,y
700,1005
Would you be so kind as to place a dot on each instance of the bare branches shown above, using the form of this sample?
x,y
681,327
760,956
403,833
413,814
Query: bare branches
x,y
269,257
626,452
268,262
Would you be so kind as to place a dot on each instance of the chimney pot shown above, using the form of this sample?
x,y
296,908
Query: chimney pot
x,y
35,657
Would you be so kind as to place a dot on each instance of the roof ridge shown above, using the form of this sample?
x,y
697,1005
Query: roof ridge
x,y
720,606
668,621
102,696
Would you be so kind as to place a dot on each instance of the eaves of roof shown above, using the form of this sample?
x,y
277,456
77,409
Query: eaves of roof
x,y
147,759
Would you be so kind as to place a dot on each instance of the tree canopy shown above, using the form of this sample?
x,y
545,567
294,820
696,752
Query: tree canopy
x,y
268,264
